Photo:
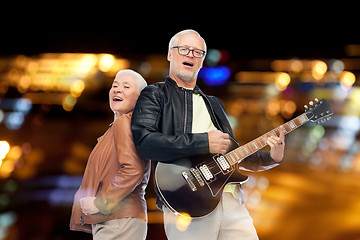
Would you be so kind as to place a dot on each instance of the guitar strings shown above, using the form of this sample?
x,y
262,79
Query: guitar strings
x,y
258,141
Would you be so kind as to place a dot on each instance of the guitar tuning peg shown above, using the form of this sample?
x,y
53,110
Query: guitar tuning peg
x,y
311,103
316,100
323,120
317,122
328,118
305,106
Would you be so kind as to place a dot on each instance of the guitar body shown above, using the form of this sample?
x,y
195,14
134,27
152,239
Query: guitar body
x,y
187,187
193,186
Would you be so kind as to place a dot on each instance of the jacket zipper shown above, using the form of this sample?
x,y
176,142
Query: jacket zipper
x,y
185,111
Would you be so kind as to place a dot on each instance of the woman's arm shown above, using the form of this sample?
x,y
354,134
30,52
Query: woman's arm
x,y
130,172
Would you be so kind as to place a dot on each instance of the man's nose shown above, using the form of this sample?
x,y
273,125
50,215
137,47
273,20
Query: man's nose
x,y
190,54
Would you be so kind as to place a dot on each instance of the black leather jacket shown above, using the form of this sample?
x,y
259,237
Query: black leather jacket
x,y
162,122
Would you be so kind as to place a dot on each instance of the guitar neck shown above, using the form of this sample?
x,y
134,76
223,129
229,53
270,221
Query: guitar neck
x,y
255,145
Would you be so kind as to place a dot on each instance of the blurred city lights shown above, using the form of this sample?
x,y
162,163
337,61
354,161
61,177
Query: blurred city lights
x,y
336,65
50,78
16,104
106,62
352,108
7,219
69,102
352,50
311,143
77,87
268,90
212,57
282,81
2,115
215,57
4,149
23,105
292,65
14,120
215,76
88,61
7,164
318,70
347,79
183,221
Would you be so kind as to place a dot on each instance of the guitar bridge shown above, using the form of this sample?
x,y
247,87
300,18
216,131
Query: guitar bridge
x,y
189,182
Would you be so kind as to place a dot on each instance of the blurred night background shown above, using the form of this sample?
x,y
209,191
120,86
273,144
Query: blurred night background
x,y
57,65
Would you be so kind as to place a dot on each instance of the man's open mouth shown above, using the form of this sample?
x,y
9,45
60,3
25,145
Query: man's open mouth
x,y
117,99
188,64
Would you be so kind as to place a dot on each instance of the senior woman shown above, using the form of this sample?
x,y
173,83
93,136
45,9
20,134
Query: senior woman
x,y
110,202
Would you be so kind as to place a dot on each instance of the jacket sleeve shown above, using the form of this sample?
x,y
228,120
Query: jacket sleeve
x,y
130,172
257,162
150,142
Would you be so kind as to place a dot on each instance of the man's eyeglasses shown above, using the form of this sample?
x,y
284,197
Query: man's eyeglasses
x,y
185,51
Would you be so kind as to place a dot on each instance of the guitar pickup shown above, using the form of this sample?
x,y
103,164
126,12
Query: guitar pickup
x,y
206,173
223,164
197,176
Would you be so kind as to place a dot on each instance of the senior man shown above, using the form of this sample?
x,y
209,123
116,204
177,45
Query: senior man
x,y
174,119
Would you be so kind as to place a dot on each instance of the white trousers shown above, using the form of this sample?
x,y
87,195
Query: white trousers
x,y
122,228
229,220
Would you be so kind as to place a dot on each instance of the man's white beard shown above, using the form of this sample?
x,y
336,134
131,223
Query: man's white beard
x,y
186,76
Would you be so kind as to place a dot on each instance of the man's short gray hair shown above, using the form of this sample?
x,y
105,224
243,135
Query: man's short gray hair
x,y
175,38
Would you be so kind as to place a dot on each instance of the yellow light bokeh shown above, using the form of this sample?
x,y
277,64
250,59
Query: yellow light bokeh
x,y
183,221
319,68
291,65
77,87
106,61
4,149
282,81
69,102
347,79
12,155
87,62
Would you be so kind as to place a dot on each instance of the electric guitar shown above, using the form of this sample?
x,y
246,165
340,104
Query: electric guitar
x,y
193,186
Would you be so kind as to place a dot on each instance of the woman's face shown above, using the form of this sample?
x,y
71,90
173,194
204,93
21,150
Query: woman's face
x,y
123,94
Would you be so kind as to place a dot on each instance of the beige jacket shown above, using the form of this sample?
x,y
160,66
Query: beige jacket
x,y
116,176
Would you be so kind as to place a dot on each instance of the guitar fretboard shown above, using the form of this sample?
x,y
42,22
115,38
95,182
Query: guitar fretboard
x,y
255,145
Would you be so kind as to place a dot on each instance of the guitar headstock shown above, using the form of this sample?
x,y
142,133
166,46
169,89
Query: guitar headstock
x,y
319,111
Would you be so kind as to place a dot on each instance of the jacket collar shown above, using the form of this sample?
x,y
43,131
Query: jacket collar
x,y
128,115
170,81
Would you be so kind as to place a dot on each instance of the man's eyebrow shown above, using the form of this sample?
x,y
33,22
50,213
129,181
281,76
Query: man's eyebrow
x,y
195,48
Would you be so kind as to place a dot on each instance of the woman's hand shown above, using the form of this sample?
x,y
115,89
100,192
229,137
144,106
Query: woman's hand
x,y
88,206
